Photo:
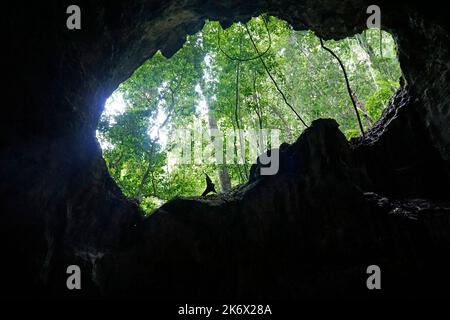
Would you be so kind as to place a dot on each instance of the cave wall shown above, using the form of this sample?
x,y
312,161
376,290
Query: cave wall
x,y
61,207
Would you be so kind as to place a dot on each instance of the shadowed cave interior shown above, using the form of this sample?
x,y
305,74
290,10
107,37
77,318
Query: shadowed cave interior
x,y
310,231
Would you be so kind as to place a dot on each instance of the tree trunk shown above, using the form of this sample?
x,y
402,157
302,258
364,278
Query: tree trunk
x,y
140,189
224,178
222,172
362,107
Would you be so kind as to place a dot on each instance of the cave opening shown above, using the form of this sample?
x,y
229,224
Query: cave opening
x,y
249,76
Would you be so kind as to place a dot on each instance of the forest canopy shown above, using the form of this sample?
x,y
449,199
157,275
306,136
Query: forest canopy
x,y
262,74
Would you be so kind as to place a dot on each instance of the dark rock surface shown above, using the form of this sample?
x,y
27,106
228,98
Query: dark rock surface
x,y
309,231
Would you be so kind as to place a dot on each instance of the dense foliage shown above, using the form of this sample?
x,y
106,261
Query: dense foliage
x,y
220,79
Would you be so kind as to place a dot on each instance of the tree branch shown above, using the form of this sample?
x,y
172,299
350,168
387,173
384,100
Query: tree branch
x,y
273,80
348,85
